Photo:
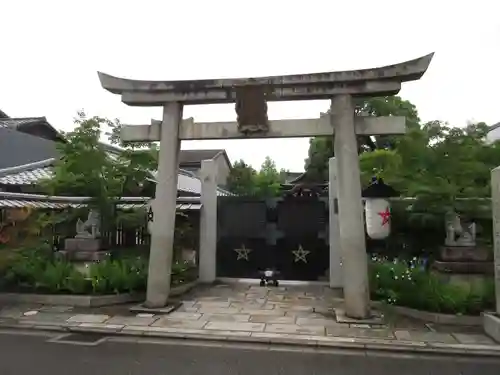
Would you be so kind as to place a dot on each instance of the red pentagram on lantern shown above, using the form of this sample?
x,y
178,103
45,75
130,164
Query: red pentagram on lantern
x,y
385,215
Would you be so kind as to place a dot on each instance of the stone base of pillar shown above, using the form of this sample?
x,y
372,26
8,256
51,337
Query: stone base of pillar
x,y
144,309
374,317
491,325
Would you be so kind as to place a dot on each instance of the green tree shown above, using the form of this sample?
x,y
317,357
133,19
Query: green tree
x,y
89,168
437,160
246,181
268,180
241,179
321,148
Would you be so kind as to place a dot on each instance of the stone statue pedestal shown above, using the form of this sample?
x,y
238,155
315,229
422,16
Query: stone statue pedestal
x,y
83,244
81,249
469,266
464,254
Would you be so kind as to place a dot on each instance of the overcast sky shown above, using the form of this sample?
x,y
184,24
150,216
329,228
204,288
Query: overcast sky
x,y
51,51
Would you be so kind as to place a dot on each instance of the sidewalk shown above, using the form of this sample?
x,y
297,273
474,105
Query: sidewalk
x,y
303,316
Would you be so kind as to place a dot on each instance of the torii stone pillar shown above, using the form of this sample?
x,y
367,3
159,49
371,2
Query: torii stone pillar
x,y
495,209
164,208
351,222
491,321
208,222
335,270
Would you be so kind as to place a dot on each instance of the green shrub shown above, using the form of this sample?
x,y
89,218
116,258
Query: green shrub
x,y
118,275
39,271
409,284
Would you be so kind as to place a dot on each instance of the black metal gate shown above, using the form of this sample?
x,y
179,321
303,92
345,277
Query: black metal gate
x,y
286,234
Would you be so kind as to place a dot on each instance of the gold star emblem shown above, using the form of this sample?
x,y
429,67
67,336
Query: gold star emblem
x,y
242,252
300,254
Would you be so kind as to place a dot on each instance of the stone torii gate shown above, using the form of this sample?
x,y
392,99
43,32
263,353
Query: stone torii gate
x,y
251,96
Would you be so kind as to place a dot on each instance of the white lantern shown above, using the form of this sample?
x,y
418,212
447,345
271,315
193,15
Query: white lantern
x,y
378,214
378,209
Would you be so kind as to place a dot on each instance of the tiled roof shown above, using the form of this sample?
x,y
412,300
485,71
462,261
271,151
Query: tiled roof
x,y
20,200
290,177
14,123
196,156
30,174
493,127
27,177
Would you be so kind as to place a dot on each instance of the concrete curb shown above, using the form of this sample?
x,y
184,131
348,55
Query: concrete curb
x,y
266,338
71,300
431,317
86,300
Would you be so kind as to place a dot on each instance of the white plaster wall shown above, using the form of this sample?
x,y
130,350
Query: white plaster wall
x,y
223,170
493,135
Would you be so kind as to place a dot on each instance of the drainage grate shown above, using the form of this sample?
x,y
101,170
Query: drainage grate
x,y
90,339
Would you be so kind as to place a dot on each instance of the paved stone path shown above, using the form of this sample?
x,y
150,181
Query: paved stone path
x,y
285,314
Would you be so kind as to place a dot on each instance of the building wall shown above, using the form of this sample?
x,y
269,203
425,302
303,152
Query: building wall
x,y
223,170
493,135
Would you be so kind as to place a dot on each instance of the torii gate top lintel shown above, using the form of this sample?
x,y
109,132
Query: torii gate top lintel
x,y
366,82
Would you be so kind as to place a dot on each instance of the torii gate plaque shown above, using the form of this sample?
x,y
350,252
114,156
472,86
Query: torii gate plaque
x,y
251,96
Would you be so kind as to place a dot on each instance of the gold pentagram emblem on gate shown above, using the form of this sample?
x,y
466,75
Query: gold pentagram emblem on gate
x,y
242,252
300,254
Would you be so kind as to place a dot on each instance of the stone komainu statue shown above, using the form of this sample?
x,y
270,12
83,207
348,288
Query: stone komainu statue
x,y
89,228
251,109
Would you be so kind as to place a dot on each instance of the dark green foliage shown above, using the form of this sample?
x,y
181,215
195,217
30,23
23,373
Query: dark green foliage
x,y
37,270
89,168
246,181
407,283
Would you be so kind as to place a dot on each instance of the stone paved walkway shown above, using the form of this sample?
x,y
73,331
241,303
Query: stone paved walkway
x,y
307,315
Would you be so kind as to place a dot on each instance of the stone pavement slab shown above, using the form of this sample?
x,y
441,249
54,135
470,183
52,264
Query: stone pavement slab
x,y
177,323
360,332
211,305
184,315
273,312
466,338
305,314
12,312
220,310
56,309
236,326
295,329
47,319
434,337
272,319
318,322
227,318
132,320
88,318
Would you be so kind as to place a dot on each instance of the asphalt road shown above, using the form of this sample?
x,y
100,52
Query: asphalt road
x,y
34,355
